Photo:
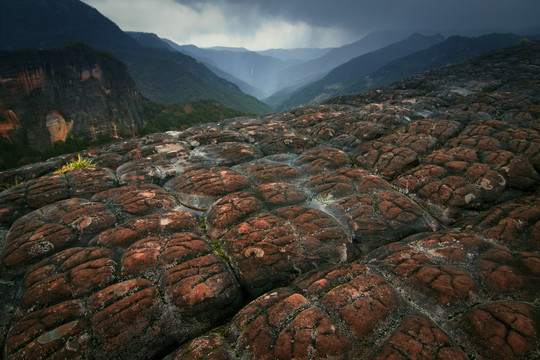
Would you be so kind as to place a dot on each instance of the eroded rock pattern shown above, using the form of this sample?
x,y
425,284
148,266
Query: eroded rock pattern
x,y
403,223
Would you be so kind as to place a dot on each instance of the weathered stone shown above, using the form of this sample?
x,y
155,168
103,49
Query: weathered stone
x,y
261,331
198,189
137,200
125,316
53,228
505,330
59,331
69,274
270,172
281,194
211,347
157,224
321,159
418,338
229,211
229,153
386,159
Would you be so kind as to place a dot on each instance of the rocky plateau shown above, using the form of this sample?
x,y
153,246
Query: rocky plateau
x,y
403,223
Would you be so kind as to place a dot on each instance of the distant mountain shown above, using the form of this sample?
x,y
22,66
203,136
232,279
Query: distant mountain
x,y
227,48
357,68
317,68
451,51
454,50
301,54
248,66
160,74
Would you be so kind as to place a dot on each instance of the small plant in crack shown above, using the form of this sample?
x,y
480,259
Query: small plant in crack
x,y
325,199
78,163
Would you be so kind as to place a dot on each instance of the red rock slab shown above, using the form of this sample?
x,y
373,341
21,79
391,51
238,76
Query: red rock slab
x,y
451,246
256,131
419,338
415,179
264,252
211,135
46,190
320,235
500,272
448,198
267,251
137,200
85,183
203,290
479,142
57,332
386,159
124,320
212,347
325,123
424,278
365,130
516,224
229,211
502,330
321,159
330,187
508,275
284,325
419,143
280,193
229,153
53,228
379,216
13,204
442,130
361,299
69,274
448,154
110,160
285,143
518,171
524,141
270,172
151,169
191,276
152,255
152,225
198,189
123,147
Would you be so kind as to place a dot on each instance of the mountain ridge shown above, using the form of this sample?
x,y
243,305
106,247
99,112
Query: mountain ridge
x,y
50,24
351,77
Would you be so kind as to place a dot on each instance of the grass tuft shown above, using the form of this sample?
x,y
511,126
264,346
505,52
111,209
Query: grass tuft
x,y
78,163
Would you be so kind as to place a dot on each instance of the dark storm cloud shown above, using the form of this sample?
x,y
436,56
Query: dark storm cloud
x,y
262,24
367,15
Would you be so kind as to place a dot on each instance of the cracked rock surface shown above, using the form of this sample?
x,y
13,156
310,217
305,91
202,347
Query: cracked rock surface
x,y
403,223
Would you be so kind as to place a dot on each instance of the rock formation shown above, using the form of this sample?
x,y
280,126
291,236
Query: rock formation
x,y
49,96
399,224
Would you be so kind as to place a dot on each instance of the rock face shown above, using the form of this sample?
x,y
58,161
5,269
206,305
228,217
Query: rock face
x,y
52,95
399,224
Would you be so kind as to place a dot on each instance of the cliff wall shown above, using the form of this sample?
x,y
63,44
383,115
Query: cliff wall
x,y
50,96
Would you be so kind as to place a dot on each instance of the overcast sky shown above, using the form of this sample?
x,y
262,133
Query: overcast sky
x,y
264,24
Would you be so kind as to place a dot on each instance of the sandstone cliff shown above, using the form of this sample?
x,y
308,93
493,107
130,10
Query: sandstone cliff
x,y
399,224
50,96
